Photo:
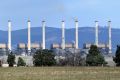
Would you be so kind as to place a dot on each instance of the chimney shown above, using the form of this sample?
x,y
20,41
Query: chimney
x,y
63,35
76,34
9,35
43,34
29,37
96,33
110,42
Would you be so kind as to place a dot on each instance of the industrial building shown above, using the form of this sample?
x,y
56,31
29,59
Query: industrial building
x,y
105,48
30,47
59,46
63,44
22,48
60,49
3,49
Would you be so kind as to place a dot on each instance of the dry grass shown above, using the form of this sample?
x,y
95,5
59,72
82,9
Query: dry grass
x,y
60,73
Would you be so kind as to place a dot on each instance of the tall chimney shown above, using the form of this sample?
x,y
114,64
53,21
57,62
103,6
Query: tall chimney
x,y
9,35
63,34
76,34
29,36
110,42
96,33
43,34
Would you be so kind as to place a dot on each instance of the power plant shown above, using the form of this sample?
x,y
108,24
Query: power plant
x,y
107,47
29,46
64,44
60,49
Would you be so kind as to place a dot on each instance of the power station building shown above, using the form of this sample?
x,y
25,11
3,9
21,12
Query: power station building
x,y
104,48
64,44
5,48
60,49
29,48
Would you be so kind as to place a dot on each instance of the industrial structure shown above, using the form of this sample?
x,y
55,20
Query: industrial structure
x,y
105,48
76,34
65,45
30,48
60,49
9,35
6,48
29,37
110,41
43,34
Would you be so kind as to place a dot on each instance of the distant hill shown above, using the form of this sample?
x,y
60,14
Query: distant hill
x,y
53,35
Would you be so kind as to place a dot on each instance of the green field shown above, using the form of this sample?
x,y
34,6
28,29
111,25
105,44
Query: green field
x,y
60,73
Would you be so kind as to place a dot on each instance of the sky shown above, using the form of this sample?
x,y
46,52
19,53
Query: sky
x,y
54,11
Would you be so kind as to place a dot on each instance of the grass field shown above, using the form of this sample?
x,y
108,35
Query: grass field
x,y
60,73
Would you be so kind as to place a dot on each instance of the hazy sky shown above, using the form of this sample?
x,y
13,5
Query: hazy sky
x,y
53,11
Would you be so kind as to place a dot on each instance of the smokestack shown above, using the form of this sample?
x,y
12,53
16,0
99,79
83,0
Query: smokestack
x,y
96,33
29,37
110,42
43,34
63,35
76,34
9,35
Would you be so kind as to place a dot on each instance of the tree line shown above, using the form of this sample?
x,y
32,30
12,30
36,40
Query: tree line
x,y
47,58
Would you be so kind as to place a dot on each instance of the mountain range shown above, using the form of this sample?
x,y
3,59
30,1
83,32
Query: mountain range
x,y
53,35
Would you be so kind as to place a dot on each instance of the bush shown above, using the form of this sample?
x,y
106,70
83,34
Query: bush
x,y
0,63
117,56
11,59
95,58
21,62
44,58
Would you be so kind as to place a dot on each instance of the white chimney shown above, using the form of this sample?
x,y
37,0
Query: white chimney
x,y
96,33
110,42
43,34
76,34
63,35
29,36
9,35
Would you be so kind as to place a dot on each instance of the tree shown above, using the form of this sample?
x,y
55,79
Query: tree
x,y
70,58
117,56
11,59
95,58
21,62
0,63
44,58
73,58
